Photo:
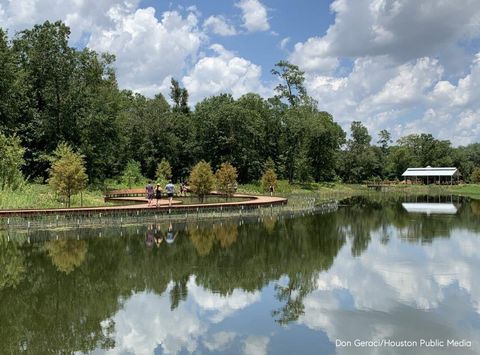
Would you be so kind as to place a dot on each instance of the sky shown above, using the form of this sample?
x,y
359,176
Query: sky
x,y
407,66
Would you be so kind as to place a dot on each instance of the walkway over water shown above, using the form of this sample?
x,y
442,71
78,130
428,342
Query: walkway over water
x,y
134,203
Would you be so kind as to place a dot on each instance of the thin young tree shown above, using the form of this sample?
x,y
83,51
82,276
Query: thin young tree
x,y
164,171
226,179
202,179
67,174
269,180
132,174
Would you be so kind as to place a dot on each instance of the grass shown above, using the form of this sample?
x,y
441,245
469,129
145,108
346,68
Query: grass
x,y
42,196
470,190
284,188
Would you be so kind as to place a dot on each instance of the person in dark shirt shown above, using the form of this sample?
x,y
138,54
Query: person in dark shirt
x,y
158,193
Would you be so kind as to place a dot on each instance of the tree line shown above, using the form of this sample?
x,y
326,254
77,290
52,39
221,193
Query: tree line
x,y
54,94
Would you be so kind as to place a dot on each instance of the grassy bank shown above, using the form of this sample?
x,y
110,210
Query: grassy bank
x,y
42,196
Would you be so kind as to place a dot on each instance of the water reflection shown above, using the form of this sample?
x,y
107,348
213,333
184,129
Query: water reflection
x,y
370,270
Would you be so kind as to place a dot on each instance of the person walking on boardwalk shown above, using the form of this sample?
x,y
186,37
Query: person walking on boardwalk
x,y
272,189
158,193
149,189
170,191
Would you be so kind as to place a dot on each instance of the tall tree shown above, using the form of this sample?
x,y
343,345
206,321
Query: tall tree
x,y
179,97
292,86
9,92
359,161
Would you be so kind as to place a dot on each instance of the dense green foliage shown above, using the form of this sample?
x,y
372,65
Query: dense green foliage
x,y
11,160
53,93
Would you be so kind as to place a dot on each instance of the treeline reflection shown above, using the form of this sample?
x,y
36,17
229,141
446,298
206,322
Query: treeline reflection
x,y
55,294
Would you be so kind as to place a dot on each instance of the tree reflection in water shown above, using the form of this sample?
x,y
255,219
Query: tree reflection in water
x,y
60,296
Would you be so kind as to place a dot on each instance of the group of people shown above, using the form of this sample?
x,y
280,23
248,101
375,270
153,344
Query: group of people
x,y
157,192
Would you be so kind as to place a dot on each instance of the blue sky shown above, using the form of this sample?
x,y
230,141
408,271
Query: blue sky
x,y
404,65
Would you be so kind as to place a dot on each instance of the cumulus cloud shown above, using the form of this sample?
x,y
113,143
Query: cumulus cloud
x,y
149,50
254,15
284,42
219,341
83,17
255,344
146,322
219,26
224,72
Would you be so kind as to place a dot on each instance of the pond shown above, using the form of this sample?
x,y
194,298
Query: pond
x,y
383,276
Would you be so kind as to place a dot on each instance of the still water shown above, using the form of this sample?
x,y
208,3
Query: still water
x,y
397,270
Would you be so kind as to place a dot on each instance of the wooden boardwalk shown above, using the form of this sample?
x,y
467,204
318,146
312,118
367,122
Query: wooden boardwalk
x,y
135,203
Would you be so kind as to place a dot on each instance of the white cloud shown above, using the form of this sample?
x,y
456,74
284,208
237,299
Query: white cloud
x,y
219,341
314,56
219,26
146,322
254,15
284,42
224,72
222,306
256,345
149,50
83,17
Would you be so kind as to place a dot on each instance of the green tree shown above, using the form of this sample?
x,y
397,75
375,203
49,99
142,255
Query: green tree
x,y
11,160
202,179
269,164
269,178
292,86
359,161
9,91
67,174
179,97
475,177
384,139
226,178
132,174
163,172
